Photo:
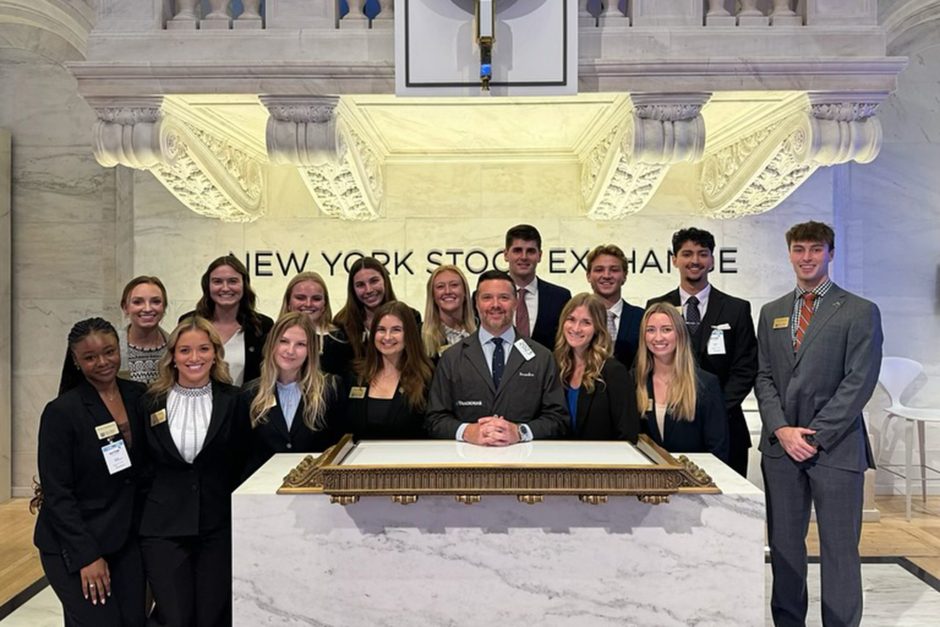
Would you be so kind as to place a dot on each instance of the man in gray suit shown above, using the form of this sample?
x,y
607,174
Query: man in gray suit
x,y
819,357
493,388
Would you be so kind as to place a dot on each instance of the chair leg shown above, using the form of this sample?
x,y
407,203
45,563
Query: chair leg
x,y
923,459
908,457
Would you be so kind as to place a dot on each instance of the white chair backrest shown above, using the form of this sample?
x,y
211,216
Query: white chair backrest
x,y
896,374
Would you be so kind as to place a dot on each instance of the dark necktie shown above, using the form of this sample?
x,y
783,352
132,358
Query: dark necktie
x,y
693,316
806,314
499,361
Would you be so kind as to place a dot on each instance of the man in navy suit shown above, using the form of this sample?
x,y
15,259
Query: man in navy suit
x,y
539,302
607,274
819,356
721,331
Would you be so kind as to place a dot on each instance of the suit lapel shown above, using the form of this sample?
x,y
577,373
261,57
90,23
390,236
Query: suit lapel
x,y
782,339
473,351
95,406
220,405
515,361
275,416
583,410
162,430
826,311
298,422
716,300
650,413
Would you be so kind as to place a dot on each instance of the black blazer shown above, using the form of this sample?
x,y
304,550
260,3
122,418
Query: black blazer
x,y
737,368
552,299
272,436
402,422
604,414
628,334
254,345
337,355
708,433
86,512
185,499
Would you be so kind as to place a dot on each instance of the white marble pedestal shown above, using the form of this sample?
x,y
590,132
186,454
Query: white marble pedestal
x,y
300,560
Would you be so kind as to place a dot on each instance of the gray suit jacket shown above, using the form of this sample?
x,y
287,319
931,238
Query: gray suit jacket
x,y
825,385
462,391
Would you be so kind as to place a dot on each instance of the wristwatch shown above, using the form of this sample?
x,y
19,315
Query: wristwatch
x,y
525,433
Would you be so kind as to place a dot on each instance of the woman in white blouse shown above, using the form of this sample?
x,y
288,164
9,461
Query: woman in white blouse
x,y
194,451
291,404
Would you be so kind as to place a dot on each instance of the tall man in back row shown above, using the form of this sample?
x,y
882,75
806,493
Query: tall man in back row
x,y
539,302
495,388
820,354
721,332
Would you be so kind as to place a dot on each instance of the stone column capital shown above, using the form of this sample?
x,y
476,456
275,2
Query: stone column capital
x,y
301,130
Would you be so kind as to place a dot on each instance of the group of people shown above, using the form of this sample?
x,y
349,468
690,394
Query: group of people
x,y
152,430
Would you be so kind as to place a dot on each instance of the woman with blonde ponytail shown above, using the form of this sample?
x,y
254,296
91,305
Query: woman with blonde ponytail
x,y
680,405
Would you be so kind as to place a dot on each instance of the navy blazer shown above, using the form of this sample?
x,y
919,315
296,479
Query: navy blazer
x,y
604,413
272,436
86,511
628,334
707,433
184,499
552,299
401,421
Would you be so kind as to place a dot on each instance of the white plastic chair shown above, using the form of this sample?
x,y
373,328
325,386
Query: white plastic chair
x,y
897,374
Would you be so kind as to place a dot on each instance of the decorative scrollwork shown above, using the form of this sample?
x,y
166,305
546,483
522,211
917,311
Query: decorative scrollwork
x,y
844,111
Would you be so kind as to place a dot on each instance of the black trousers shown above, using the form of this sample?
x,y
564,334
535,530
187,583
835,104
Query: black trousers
x,y
191,578
125,606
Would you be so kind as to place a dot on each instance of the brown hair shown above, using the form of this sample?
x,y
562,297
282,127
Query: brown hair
x,y
682,392
352,316
432,331
166,370
142,280
246,316
326,319
597,351
812,232
607,249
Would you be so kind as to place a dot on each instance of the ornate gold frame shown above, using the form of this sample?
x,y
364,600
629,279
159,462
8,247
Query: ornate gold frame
x,y
593,484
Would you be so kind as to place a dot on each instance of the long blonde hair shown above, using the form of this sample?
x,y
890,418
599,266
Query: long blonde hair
x,y
681,401
432,331
312,382
166,368
326,318
598,350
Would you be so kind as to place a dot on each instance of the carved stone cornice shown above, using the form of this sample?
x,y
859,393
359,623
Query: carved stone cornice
x,y
301,130
208,174
661,130
759,171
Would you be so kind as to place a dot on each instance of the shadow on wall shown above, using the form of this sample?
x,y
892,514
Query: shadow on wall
x,y
936,306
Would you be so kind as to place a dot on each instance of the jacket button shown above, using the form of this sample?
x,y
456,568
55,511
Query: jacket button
x,y
289,445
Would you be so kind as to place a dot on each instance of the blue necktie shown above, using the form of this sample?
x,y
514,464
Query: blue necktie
x,y
499,361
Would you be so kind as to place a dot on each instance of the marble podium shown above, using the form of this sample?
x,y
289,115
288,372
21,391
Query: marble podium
x,y
301,560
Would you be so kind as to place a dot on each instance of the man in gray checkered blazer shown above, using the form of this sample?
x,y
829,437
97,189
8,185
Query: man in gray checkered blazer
x,y
819,358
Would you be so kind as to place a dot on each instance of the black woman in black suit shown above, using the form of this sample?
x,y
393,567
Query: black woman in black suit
x,y
195,449
228,302
307,294
680,405
88,466
291,405
387,397
595,383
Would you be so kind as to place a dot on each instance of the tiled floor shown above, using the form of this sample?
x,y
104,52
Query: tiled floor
x,y
893,596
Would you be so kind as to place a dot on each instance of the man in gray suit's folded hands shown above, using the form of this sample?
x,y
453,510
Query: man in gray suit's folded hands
x,y
819,358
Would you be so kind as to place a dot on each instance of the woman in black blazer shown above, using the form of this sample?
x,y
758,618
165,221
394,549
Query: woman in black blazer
x,y
88,466
306,293
291,405
595,383
195,449
386,399
681,405
228,302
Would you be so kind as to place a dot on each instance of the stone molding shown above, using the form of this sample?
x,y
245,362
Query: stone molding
x,y
208,174
72,21
759,171
620,177
301,130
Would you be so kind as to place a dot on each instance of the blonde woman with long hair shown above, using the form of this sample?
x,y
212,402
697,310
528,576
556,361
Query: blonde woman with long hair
x,y
306,293
195,446
595,384
288,406
448,315
681,406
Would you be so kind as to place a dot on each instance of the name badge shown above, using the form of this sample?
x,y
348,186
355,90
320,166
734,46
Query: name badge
x,y
357,392
716,342
782,323
157,417
107,430
116,457
525,349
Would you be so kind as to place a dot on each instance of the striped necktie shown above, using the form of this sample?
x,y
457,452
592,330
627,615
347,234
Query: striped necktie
x,y
806,314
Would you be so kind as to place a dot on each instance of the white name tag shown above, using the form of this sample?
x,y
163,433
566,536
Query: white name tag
x,y
116,457
524,349
716,342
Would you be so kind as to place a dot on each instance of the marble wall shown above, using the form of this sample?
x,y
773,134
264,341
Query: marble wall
x,y
6,285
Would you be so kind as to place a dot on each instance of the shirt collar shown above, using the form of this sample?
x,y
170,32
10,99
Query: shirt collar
x,y
702,296
509,336
531,288
617,308
820,290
